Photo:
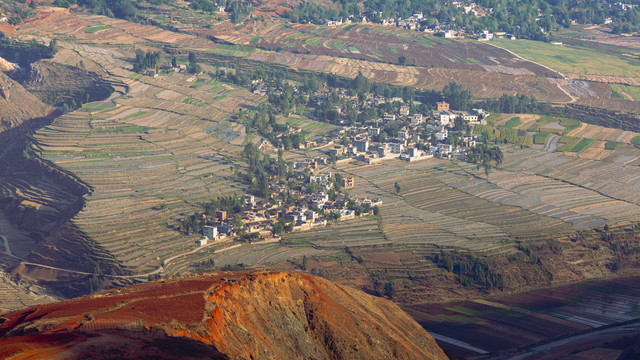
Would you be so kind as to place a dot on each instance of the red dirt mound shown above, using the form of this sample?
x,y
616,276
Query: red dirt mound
x,y
242,315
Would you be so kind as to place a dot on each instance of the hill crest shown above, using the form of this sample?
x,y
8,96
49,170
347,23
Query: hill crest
x,y
240,315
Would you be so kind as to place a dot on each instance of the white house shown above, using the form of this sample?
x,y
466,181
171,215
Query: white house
x,y
443,134
446,117
202,241
210,232
396,148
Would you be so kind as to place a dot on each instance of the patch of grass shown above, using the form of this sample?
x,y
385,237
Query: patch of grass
x,y
255,39
582,145
314,41
513,122
96,28
350,27
612,145
121,129
136,114
196,85
541,138
636,141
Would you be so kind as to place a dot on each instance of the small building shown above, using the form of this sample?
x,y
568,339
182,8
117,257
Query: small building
x,y
442,134
348,182
486,36
249,199
442,106
416,119
373,131
361,145
448,34
404,110
446,117
210,232
202,242
389,117
221,215
319,199
404,134
396,148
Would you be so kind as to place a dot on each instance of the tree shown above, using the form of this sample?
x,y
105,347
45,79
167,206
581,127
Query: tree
x,y
402,60
457,96
192,58
397,187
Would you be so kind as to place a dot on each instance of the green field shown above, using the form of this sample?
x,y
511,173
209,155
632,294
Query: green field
x,y
541,138
571,60
513,122
96,28
633,91
612,145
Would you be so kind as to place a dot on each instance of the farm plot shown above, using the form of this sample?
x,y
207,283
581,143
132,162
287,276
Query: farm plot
x,y
533,316
379,43
616,199
568,59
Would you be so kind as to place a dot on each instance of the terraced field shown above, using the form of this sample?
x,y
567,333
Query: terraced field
x,y
149,156
454,205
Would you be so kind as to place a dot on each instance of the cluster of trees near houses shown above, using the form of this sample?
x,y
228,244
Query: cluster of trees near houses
x,y
485,155
533,19
238,10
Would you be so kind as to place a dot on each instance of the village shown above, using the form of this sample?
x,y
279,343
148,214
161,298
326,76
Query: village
x,y
307,194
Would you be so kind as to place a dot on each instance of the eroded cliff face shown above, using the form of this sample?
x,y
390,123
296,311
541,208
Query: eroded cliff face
x,y
17,104
246,315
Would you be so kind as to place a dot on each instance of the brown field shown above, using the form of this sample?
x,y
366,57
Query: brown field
x,y
509,322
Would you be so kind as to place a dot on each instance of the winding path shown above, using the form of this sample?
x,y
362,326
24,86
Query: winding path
x,y
154,272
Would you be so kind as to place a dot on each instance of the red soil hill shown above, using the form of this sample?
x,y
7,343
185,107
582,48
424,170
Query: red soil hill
x,y
241,315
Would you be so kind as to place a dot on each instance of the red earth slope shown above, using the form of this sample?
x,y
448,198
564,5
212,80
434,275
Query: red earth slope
x,y
241,315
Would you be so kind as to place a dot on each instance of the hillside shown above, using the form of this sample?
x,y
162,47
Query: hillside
x,y
239,315
17,104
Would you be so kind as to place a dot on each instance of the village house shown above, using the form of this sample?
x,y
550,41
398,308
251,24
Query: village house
x,y
210,232
416,119
249,199
348,182
361,146
389,117
319,199
446,117
396,148
442,134
442,106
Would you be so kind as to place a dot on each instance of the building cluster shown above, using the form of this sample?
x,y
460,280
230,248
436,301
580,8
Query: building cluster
x,y
418,136
259,220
